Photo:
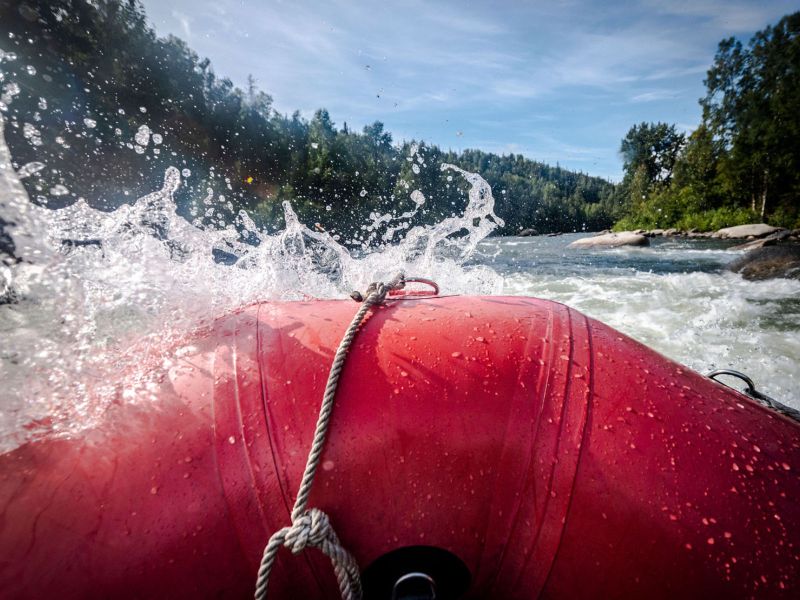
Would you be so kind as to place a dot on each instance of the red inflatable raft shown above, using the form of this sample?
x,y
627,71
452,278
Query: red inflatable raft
x,y
545,453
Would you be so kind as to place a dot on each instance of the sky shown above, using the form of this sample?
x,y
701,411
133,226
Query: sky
x,y
559,81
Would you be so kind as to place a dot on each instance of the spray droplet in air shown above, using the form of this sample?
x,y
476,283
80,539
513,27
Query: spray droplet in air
x,y
142,136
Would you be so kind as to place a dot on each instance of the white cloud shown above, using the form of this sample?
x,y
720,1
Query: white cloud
x,y
185,23
732,16
656,95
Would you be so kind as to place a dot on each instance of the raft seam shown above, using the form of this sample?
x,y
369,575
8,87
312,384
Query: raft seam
x,y
242,429
264,401
532,439
581,452
559,439
217,465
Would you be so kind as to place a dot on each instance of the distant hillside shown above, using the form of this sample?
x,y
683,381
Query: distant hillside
x,y
103,100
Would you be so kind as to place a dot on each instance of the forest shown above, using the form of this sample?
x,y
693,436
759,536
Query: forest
x,y
742,164
107,106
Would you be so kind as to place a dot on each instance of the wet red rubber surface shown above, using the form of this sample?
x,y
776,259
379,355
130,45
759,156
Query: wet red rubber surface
x,y
553,455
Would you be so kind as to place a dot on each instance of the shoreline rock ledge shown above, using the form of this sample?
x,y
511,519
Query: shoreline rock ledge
x,y
611,240
755,230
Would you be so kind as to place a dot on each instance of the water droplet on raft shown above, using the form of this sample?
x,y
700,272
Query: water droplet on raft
x,y
328,465
710,541
29,169
231,440
154,490
456,354
58,190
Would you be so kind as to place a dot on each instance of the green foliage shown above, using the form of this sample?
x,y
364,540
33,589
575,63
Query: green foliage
x,y
652,149
752,106
743,163
711,220
657,217
104,62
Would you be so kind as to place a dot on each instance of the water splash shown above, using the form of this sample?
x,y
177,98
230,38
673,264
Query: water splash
x,y
87,285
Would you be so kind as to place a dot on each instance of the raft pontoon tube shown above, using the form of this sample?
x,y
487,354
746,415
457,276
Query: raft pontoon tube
x,y
542,453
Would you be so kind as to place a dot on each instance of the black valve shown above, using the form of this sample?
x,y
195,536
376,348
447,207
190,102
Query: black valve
x,y
416,573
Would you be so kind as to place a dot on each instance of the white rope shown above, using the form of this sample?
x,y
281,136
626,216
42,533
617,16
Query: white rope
x,y
311,527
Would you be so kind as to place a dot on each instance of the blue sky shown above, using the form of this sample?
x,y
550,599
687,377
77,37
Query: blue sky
x,y
559,81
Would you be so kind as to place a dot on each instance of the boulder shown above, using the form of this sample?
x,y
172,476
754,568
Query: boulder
x,y
611,240
654,232
757,230
770,240
671,231
769,262
528,232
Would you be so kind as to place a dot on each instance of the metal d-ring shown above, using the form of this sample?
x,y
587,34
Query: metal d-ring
x,y
754,393
751,387
429,282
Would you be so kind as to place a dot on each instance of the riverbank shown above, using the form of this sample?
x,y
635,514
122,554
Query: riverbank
x,y
675,295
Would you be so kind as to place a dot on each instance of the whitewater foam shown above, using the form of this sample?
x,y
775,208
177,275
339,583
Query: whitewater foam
x,y
89,284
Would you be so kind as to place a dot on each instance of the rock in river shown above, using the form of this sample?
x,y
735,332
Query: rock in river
x,y
755,230
770,240
611,240
769,262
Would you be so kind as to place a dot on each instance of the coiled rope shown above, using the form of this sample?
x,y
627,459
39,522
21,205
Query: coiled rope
x,y
312,527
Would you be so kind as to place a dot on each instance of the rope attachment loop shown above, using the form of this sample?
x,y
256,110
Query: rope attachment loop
x,y
312,527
